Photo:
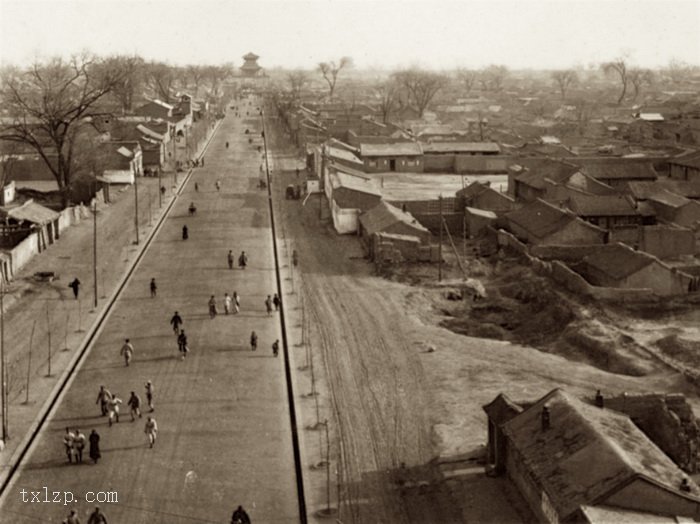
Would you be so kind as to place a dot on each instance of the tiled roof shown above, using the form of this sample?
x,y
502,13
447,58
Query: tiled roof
x,y
342,154
393,149
667,198
618,260
541,168
384,215
621,169
587,453
461,147
541,219
30,211
601,205
687,160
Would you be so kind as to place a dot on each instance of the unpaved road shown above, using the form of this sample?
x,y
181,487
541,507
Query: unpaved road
x,y
393,402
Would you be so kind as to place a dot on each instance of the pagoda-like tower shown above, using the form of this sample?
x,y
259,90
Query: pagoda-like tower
x,y
250,67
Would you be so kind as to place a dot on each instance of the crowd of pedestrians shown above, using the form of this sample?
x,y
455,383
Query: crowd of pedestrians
x,y
75,441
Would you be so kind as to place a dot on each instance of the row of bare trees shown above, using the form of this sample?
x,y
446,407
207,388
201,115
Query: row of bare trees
x,y
52,107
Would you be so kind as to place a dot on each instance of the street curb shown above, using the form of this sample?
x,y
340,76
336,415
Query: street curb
x,y
53,400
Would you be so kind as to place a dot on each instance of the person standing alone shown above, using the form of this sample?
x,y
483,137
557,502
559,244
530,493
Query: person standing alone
x,y
154,288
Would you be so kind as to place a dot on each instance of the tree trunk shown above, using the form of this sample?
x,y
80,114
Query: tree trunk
x,y
622,95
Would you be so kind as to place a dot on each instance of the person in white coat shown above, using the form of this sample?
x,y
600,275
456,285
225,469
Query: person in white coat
x,y
151,430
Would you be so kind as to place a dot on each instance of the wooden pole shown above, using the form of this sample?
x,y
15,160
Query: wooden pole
x,y
440,245
29,361
48,332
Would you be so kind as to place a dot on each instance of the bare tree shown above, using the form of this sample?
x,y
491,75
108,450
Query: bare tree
x,y
677,71
468,79
161,79
564,79
195,76
52,106
421,86
330,71
387,95
618,67
297,81
216,75
129,83
638,78
492,77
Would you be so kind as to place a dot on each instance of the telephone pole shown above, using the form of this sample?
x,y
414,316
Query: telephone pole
x,y
94,246
440,245
3,395
136,210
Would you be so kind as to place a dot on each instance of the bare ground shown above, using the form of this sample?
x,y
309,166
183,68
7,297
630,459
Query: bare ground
x,y
394,402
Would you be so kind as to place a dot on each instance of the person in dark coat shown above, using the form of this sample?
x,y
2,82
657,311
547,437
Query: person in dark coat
x,y
276,301
97,517
240,516
176,322
242,260
154,288
253,341
182,344
185,235
94,446
76,287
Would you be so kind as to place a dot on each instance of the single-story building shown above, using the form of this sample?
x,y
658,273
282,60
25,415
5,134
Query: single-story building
x,y
477,219
617,172
575,462
349,197
540,222
482,196
608,211
675,208
396,156
385,218
619,266
685,167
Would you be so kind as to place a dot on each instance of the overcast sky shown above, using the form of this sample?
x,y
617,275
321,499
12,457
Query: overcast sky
x,y
376,33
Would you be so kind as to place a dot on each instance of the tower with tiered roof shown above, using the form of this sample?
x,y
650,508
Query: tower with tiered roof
x,y
250,67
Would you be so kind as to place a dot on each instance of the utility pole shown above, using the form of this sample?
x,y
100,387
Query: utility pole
x,y
136,210
440,245
94,247
160,192
5,434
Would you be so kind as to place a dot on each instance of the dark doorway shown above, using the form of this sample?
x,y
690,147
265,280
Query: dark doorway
x,y
392,165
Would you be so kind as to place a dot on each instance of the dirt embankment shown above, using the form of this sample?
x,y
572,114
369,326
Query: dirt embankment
x,y
524,308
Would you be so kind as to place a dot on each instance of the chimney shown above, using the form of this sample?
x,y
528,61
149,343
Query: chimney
x,y
545,418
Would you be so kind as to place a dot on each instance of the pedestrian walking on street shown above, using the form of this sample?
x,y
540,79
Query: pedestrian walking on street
x,y
218,185
185,234
240,516
253,341
76,287
68,440
275,347
72,518
196,188
227,303
162,190
212,307
151,430
242,260
182,344
176,322
97,517
79,445
134,404
236,302
226,145
149,395
94,440
127,351
113,407
103,398
229,257
268,305
277,302
154,288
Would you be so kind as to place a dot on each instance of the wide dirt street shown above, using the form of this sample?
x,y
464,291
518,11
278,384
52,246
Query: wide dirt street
x,y
222,413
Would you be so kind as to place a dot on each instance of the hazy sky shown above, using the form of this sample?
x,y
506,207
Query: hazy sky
x,y
300,33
